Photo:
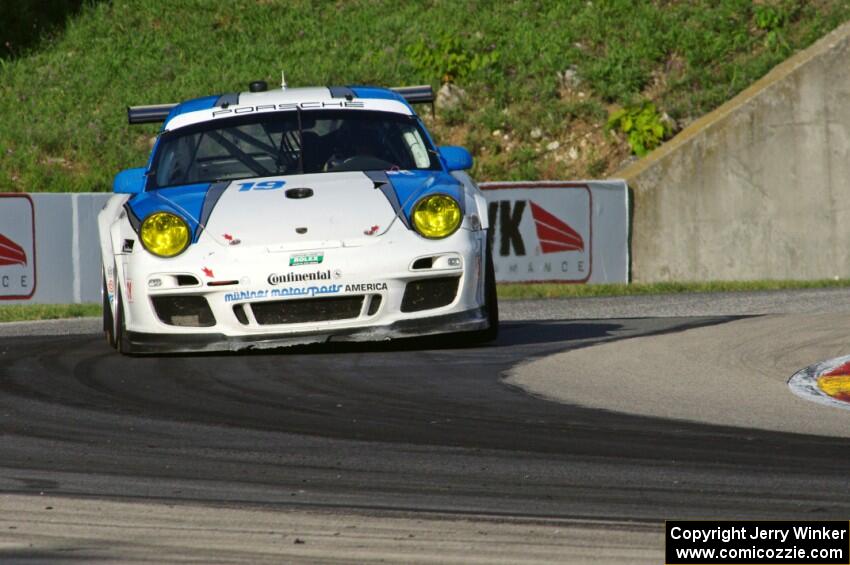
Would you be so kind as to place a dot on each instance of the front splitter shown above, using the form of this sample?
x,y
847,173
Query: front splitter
x,y
149,344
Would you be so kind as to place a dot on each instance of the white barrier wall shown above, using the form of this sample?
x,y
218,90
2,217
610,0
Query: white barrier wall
x,y
573,232
51,254
543,231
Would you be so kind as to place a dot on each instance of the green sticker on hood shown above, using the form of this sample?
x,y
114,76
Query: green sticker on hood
x,y
306,259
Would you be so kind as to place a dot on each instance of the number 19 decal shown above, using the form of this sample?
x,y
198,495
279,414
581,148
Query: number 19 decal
x,y
265,185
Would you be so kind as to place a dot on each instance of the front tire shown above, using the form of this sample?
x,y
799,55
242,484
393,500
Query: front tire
x,y
491,304
491,299
108,319
122,342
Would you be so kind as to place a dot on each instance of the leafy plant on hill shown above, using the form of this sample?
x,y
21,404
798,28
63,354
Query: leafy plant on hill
x,y
448,58
643,125
773,19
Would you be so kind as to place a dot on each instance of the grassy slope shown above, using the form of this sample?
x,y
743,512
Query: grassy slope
x,y
63,104
17,313
555,290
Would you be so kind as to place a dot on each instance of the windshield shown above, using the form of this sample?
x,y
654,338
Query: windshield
x,y
293,142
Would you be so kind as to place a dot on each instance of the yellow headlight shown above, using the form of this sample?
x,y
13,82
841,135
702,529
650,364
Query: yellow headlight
x,y
436,216
164,234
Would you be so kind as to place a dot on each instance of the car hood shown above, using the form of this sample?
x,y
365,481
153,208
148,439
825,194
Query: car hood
x,y
302,211
342,208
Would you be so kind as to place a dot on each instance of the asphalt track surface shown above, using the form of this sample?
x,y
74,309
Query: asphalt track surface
x,y
423,431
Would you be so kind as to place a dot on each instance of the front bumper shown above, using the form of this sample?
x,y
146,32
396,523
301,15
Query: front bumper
x,y
383,266
142,343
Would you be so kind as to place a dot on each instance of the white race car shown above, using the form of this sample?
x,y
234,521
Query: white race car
x,y
291,216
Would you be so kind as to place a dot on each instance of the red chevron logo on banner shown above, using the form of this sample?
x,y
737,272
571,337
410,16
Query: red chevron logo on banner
x,y
11,253
554,234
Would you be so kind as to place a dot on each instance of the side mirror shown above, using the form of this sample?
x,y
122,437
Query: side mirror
x,y
129,181
456,158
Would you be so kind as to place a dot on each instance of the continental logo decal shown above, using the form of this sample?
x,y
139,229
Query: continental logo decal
x,y
276,279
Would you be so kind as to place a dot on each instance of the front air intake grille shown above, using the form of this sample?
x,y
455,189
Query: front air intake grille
x,y
423,263
426,294
187,280
239,312
186,311
307,310
374,305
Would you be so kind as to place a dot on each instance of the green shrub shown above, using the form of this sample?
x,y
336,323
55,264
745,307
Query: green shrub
x,y
448,59
643,125
773,19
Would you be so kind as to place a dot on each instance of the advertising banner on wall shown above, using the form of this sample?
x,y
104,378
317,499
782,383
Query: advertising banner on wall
x,y
51,240
570,232
17,247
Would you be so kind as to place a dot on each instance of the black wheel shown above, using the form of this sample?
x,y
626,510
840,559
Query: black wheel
x,y
122,343
491,299
108,320
491,304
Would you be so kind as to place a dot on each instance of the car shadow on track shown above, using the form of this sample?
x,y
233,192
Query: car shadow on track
x,y
510,334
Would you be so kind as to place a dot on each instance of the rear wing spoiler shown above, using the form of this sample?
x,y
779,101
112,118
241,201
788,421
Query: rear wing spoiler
x,y
153,114
422,94
157,113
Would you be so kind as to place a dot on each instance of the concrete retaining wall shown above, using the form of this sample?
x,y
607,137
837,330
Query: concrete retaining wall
x,y
759,188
